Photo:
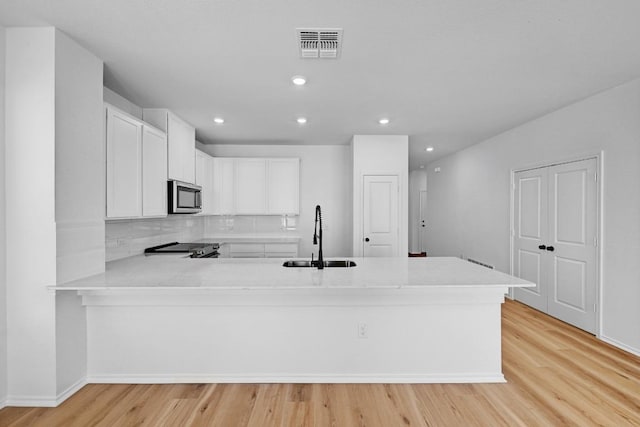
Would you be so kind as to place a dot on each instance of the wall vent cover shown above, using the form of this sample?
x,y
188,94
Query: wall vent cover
x,y
319,42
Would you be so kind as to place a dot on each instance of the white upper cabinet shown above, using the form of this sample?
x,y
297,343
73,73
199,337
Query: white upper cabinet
x,y
181,142
154,172
283,178
205,178
256,186
250,186
136,167
124,154
223,186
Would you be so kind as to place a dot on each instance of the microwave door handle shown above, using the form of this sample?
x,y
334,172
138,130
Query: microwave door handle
x,y
198,199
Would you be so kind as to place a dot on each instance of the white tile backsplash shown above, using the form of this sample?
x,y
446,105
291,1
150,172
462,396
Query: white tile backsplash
x,y
130,237
124,238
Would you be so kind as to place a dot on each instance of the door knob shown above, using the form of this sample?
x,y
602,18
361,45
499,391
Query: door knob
x,y
543,247
366,239
551,248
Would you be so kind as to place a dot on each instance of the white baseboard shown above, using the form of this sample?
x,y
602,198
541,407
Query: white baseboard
x,y
45,401
3,403
285,378
36,401
620,345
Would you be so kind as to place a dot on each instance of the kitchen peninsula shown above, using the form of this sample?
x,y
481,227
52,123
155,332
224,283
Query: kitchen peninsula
x,y
175,319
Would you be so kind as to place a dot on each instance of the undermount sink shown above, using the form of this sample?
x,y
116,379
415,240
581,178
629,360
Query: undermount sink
x,y
308,263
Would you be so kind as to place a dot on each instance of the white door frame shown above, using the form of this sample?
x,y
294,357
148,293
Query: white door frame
x,y
599,220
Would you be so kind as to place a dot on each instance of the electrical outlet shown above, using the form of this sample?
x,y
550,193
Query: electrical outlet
x,y
363,330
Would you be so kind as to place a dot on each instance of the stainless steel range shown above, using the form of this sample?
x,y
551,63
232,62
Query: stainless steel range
x,y
196,250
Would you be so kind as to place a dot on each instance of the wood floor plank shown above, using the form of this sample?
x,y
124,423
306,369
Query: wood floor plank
x,y
557,376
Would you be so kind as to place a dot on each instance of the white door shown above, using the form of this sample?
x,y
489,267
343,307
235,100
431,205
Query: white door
x,y
555,240
380,216
422,221
530,217
572,236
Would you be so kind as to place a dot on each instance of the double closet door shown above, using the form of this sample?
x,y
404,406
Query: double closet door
x,y
555,240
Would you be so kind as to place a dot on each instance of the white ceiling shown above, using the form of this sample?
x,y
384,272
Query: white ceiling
x,y
449,73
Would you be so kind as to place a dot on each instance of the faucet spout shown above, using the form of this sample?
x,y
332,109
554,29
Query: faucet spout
x,y
317,236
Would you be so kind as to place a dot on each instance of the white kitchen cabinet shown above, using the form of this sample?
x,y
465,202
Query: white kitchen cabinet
x,y
223,186
181,140
283,178
136,171
246,250
256,186
154,172
124,164
281,250
250,186
205,178
263,250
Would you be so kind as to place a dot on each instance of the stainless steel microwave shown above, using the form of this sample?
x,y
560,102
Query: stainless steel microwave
x,y
184,197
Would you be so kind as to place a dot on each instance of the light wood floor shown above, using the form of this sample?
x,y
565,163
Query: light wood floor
x,y
557,376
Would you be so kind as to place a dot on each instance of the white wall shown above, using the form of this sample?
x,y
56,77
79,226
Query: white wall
x,y
325,180
380,155
122,103
79,197
30,213
80,161
468,207
3,276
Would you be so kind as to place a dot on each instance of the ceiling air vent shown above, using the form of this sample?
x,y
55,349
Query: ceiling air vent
x,y
319,42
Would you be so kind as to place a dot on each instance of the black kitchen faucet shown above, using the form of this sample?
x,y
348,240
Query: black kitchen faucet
x,y
317,236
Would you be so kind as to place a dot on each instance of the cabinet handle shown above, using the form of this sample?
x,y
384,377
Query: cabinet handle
x,y
543,247
551,248
366,239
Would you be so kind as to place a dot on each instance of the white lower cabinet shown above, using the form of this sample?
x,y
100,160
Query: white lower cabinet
x,y
263,250
281,250
136,167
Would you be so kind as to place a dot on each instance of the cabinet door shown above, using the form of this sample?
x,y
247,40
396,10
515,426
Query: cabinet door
x,y
223,186
204,178
124,151
250,186
283,186
154,172
181,149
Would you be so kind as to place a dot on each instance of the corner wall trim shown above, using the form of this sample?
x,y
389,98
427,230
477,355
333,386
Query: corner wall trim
x,y
71,390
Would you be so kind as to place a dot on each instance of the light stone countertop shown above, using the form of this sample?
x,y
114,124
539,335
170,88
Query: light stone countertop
x,y
172,272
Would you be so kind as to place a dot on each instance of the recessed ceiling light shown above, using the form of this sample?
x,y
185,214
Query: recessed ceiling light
x,y
421,166
429,149
301,120
383,121
298,80
218,120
